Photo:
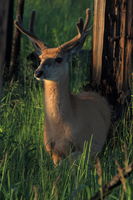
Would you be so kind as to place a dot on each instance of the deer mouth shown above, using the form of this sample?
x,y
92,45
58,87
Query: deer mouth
x,y
39,75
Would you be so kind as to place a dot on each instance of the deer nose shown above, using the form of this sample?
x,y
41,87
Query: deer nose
x,y
38,73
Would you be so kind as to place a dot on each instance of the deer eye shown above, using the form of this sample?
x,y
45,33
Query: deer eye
x,y
58,59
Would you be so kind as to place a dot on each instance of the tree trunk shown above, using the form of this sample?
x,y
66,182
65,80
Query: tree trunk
x,y
4,10
13,71
9,36
98,36
117,51
128,46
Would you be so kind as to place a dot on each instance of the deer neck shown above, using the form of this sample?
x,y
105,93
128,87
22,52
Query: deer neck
x,y
57,100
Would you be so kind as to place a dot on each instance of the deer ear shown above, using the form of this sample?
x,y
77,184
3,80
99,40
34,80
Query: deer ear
x,y
74,50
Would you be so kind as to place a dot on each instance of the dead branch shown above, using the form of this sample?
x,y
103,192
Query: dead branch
x,y
115,182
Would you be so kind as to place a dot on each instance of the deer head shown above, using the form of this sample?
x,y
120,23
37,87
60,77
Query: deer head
x,y
54,61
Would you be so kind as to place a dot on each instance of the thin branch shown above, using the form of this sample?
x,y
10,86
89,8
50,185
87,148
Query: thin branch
x,y
115,182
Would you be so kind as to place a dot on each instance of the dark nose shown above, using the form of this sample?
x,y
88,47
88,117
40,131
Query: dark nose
x,y
38,73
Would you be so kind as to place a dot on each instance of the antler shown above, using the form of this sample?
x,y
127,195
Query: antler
x,y
79,39
34,39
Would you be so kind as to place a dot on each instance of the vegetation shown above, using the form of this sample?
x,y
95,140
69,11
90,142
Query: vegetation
x,y
26,171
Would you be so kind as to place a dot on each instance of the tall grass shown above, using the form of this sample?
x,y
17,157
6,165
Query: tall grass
x,y
26,171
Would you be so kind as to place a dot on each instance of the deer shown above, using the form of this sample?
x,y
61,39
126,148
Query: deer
x,y
70,119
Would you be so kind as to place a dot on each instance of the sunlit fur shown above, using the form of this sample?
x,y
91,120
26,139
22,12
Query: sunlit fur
x,y
70,120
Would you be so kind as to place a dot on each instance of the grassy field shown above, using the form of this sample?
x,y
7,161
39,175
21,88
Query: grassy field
x,y
26,171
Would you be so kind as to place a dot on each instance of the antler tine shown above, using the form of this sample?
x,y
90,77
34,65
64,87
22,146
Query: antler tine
x,y
88,12
18,24
79,39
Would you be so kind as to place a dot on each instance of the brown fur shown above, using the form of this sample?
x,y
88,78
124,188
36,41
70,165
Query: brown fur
x,y
72,120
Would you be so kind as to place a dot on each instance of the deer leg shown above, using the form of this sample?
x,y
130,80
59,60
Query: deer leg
x,y
56,158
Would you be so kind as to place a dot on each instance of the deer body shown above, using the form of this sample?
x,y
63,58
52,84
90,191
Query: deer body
x,y
70,120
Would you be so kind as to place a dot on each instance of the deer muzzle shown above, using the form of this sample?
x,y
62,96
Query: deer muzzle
x,y
38,73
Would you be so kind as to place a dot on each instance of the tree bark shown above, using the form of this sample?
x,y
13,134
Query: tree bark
x,y
4,9
116,68
9,38
13,71
98,36
128,47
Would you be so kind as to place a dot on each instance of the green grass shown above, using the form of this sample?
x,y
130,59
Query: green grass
x,y
26,170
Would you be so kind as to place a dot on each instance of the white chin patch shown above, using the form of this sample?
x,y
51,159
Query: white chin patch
x,y
39,79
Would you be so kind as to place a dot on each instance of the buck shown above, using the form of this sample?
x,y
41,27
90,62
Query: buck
x,y
70,120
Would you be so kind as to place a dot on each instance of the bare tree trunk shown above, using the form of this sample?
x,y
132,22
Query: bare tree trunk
x,y
117,52
9,38
98,36
4,9
128,46
120,67
13,72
